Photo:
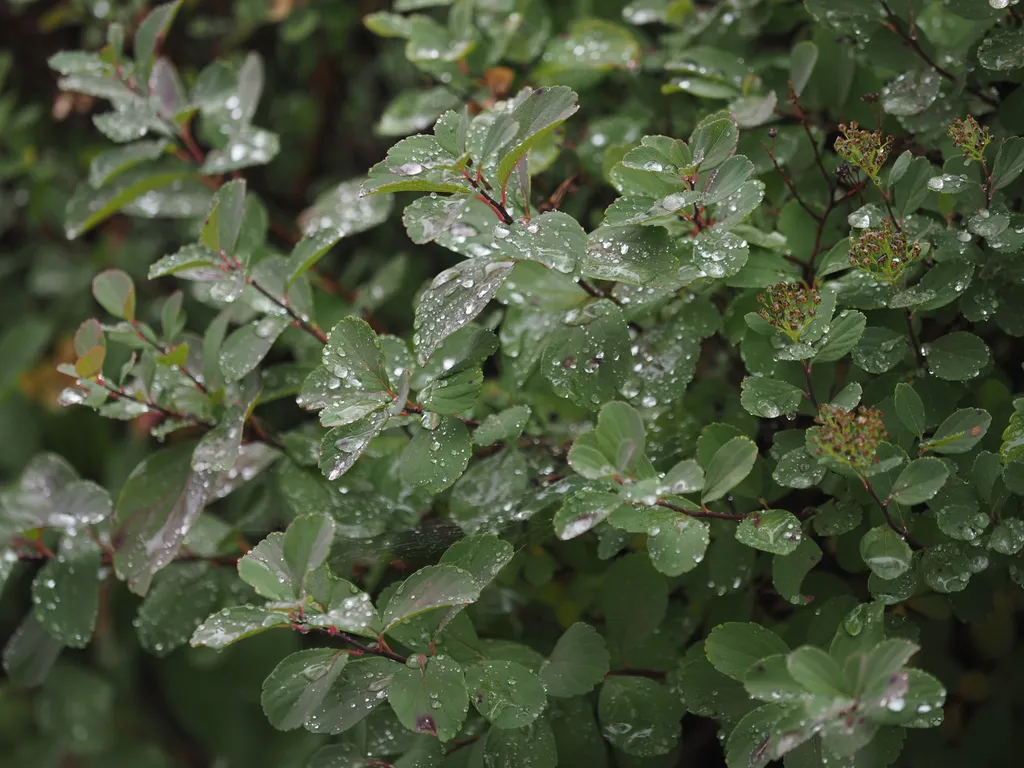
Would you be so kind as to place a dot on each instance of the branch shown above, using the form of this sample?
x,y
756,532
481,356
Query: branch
x,y
911,41
297,320
703,512
810,385
902,533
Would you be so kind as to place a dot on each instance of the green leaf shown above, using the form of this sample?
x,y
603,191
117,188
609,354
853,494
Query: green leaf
x,y
910,408
734,647
248,147
482,555
588,358
1002,51
106,165
590,44
353,695
749,743
959,432
817,672
505,425
437,458
841,337
354,355
236,623
911,93
455,297
638,716
453,394
75,710
957,356
65,592
342,446
920,481
946,568
771,530
277,567
165,621
802,60
429,696
151,33
769,680
553,239
480,499
532,746
336,214
716,253
634,599
677,545
583,511
432,587
246,347
1009,161
614,447
578,662
885,552
507,694
88,207
728,467
298,685
339,604
536,116
115,292
30,653
769,398
159,502
789,571
417,164
713,141
632,255
798,469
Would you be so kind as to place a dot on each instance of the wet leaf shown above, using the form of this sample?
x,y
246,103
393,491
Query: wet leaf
x,y
638,716
771,530
728,467
455,297
432,587
507,694
429,696
734,647
919,481
577,664
885,552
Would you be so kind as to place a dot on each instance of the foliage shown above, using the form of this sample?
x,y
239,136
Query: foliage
x,y
655,381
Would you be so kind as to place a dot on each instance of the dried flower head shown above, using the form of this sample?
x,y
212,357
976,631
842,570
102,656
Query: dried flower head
x,y
851,437
790,307
883,253
863,149
970,137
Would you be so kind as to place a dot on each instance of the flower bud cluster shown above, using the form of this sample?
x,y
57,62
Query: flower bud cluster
x,y
883,253
790,307
863,149
851,437
970,137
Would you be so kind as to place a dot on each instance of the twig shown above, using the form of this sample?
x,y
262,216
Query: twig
x,y
912,335
798,112
902,533
169,413
789,185
702,512
810,384
298,320
911,41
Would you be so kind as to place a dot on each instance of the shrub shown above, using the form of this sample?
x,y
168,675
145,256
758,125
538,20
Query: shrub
x,y
688,410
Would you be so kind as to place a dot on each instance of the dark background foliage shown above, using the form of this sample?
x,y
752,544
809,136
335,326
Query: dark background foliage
x,y
328,81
